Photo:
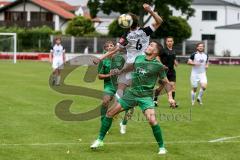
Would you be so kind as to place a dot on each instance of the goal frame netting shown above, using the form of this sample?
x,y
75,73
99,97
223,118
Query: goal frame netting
x,y
14,44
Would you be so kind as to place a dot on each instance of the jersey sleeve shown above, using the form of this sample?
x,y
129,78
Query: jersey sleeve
x,y
207,58
149,30
64,50
100,68
123,41
51,49
192,56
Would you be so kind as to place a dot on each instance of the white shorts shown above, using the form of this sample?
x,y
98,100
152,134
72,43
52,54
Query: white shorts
x,y
198,78
125,78
57,64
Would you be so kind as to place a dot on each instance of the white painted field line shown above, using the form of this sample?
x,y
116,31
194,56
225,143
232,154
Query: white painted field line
x,y
111,143
223,139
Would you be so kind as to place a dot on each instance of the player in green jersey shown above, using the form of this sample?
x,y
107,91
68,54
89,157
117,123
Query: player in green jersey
x,y
110,81
146,70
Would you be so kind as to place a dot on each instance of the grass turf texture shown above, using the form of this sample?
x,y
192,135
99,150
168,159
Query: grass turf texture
x,y
30,129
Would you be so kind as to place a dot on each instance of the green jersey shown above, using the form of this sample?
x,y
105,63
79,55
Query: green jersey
x,y
145,74
104,67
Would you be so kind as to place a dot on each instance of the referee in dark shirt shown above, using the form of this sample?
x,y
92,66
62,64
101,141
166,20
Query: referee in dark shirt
x,y
168,58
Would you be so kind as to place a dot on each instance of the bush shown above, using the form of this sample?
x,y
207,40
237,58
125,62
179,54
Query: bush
x,y
34,39
176,27
80,26
115,30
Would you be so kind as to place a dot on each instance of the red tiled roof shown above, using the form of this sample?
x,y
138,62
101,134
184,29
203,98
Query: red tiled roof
x,y
53,7
65,5
4,3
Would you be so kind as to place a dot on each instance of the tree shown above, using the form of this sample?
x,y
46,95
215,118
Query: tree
x,y
176,27
115,30
124,6
79,26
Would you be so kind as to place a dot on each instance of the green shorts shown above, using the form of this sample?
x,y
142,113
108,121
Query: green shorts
x,y
109,90
129,100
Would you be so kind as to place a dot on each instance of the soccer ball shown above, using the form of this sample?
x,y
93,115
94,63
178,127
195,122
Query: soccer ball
x,y
125,21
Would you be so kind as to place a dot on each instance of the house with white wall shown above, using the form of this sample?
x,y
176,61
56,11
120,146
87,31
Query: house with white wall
x,y
36,13
227,40
210,14
216,20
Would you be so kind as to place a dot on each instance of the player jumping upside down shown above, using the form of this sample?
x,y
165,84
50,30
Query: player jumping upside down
x,y
146,70
135,41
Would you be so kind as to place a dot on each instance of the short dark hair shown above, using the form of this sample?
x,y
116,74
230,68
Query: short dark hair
x,y
158,45
169,37
107,43
135,21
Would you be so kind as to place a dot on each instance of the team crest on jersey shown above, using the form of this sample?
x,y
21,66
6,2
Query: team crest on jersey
x,y
141,71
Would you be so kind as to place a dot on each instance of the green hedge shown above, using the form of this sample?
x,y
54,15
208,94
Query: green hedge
x,y
29,40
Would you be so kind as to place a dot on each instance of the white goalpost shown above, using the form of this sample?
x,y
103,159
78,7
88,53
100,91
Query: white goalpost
x,y
14,35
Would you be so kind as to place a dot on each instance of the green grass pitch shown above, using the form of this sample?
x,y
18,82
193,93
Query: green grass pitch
x,y
30,130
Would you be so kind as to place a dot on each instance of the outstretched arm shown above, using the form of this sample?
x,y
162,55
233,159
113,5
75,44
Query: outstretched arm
x,y
103,76
128,67
108,54
157,18
169,89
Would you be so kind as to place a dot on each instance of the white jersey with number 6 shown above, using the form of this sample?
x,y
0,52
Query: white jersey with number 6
x,y
136,42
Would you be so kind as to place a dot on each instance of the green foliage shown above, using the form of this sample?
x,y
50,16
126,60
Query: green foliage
x,y
80,26
115,30
121,6
34,39
173,26
176,27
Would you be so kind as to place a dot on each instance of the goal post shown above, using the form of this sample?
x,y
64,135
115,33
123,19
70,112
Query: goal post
x,y
14,35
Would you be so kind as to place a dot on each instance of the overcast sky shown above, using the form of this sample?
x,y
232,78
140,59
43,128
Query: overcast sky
x,y
77,2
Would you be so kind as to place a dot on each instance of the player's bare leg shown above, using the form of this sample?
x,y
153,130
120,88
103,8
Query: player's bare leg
x,y
128,113
105,105
201,91
151,117
58,77
193,95
55,75
106,124
173,91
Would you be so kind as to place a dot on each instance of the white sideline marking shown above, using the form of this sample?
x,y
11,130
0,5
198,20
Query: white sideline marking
x,y
223,139
115,143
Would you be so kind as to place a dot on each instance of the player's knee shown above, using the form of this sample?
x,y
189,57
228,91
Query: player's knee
x,y
152,122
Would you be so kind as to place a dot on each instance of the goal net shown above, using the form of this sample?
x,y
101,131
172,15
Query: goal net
x,y
8,46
